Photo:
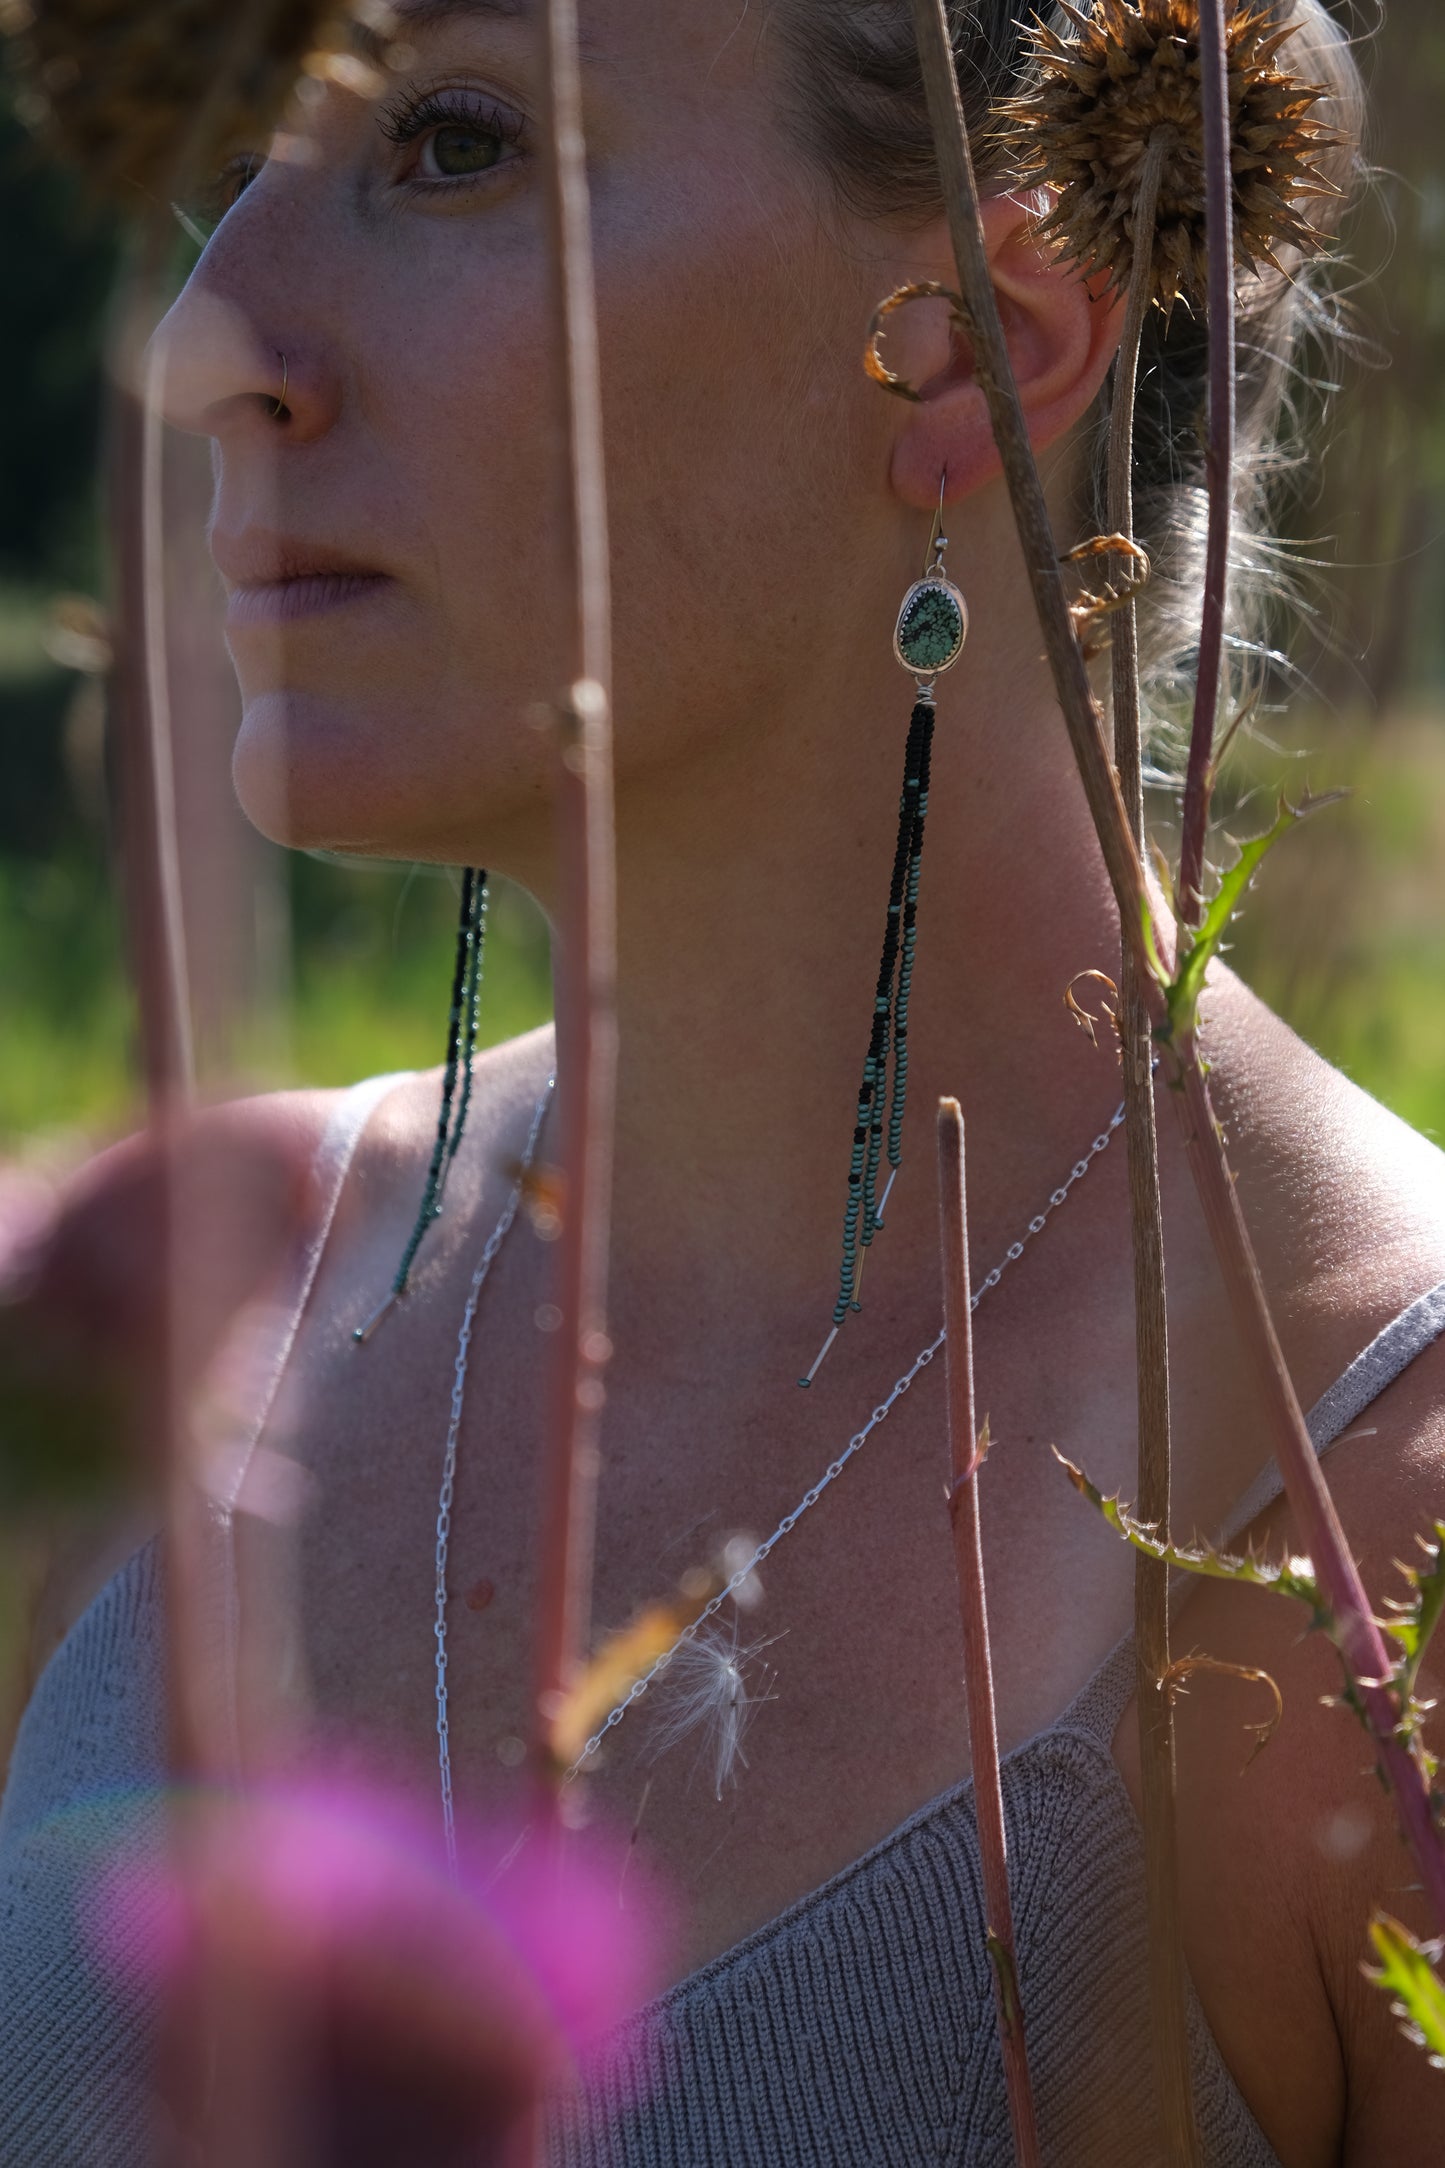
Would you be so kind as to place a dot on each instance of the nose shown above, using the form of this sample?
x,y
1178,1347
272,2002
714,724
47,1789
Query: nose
x,y
228,366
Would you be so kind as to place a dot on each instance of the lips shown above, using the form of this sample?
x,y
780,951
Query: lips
x,y
277,579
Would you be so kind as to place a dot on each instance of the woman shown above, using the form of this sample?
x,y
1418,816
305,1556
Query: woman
x,y
366,339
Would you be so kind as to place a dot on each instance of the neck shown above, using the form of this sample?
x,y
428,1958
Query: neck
x,y
752,894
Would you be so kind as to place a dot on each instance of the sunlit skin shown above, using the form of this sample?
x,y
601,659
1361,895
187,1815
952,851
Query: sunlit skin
x,y
390,546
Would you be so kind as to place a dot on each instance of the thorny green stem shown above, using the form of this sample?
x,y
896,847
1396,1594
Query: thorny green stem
x,y
1357,1635
966,1453
1219,452
1168,2006
1354,1629
586,926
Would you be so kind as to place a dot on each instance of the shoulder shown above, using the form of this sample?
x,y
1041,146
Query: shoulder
x,y
365,1146
387,1154
1345,1202
1286,1851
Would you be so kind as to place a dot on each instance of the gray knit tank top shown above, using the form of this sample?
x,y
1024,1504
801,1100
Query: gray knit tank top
x,y
856,2030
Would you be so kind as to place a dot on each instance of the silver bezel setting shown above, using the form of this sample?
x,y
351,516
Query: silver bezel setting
x,y
932,579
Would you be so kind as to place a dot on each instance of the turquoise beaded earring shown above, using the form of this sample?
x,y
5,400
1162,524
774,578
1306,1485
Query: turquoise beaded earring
x,y
461,1047
927,640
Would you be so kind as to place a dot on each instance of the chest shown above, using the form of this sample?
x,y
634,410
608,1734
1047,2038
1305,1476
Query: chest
x,y
811,1724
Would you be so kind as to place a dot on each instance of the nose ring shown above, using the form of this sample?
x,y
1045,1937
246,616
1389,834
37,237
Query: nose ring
x,y
280,407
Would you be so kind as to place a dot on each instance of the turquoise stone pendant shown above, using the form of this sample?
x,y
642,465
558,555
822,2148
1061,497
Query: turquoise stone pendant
x,y
932,626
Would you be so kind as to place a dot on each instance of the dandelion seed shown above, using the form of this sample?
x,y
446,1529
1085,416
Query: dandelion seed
x,y
707,1688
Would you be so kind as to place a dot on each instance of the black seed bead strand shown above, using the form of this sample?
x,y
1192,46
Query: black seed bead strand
x,y
910,938
870,1096
471,1009
884,1004
427,1213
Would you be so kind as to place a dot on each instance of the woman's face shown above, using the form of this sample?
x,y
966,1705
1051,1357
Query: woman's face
x,y
391,542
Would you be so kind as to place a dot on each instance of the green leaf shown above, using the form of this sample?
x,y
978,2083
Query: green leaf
x,y
1407,1973
1290,1576
1182,993
1417,1617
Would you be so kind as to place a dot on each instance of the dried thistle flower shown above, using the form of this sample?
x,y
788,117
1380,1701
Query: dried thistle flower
x,y
144,97
1127,74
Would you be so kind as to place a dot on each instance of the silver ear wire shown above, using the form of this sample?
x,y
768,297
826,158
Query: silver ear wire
x,y
937,540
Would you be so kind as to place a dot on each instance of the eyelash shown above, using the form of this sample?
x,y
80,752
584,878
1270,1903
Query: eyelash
x,y
231,183
401,125
409,123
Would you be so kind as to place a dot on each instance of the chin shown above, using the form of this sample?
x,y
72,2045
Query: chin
x,y
314,773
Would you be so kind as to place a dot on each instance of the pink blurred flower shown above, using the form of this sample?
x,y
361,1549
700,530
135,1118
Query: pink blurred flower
x,y
332,1995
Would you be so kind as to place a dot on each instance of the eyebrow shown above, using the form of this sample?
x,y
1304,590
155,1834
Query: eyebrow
x,y
375,29
416,15
422,14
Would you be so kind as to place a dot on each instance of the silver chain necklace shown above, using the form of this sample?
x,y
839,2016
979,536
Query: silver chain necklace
x,y
764,1550
484,1265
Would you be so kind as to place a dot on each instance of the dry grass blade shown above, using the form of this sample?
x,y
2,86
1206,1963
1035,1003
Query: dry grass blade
x,y
1353,1624
585,973
1168,1998
968,1447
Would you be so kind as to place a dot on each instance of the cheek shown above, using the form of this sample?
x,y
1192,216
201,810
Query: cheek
x,y
738,443
405,730
741,440
464,430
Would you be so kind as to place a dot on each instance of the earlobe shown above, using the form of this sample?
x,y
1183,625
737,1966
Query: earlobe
x,y
1062,333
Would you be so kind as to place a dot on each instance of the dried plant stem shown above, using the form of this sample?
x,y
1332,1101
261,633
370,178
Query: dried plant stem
x,y
586,918
1124,653
1167,1998
149,866
1353,1624
996,379
966,1452
149,875
1358,1636
1219,451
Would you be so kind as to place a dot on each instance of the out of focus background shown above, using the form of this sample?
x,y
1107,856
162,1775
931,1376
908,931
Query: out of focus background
x,y
332,971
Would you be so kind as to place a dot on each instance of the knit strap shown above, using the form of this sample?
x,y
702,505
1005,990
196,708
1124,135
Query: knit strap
x,y
277,1330
1377,1366
1104,1695
1102,1700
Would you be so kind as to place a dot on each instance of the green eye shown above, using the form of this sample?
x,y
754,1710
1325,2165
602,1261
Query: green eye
x,y
457,151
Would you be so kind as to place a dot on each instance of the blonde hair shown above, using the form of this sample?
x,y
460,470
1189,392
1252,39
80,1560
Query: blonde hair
x,y
857,94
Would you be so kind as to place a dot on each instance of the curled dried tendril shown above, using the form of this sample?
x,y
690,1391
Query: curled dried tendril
x,y
1089,609
1086,1020
1184,1667
921,290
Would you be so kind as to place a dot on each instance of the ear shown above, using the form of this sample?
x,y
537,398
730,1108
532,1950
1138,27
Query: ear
x,y
1062,333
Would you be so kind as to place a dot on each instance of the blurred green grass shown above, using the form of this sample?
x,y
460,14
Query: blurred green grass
x,y
1343,931
353,979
